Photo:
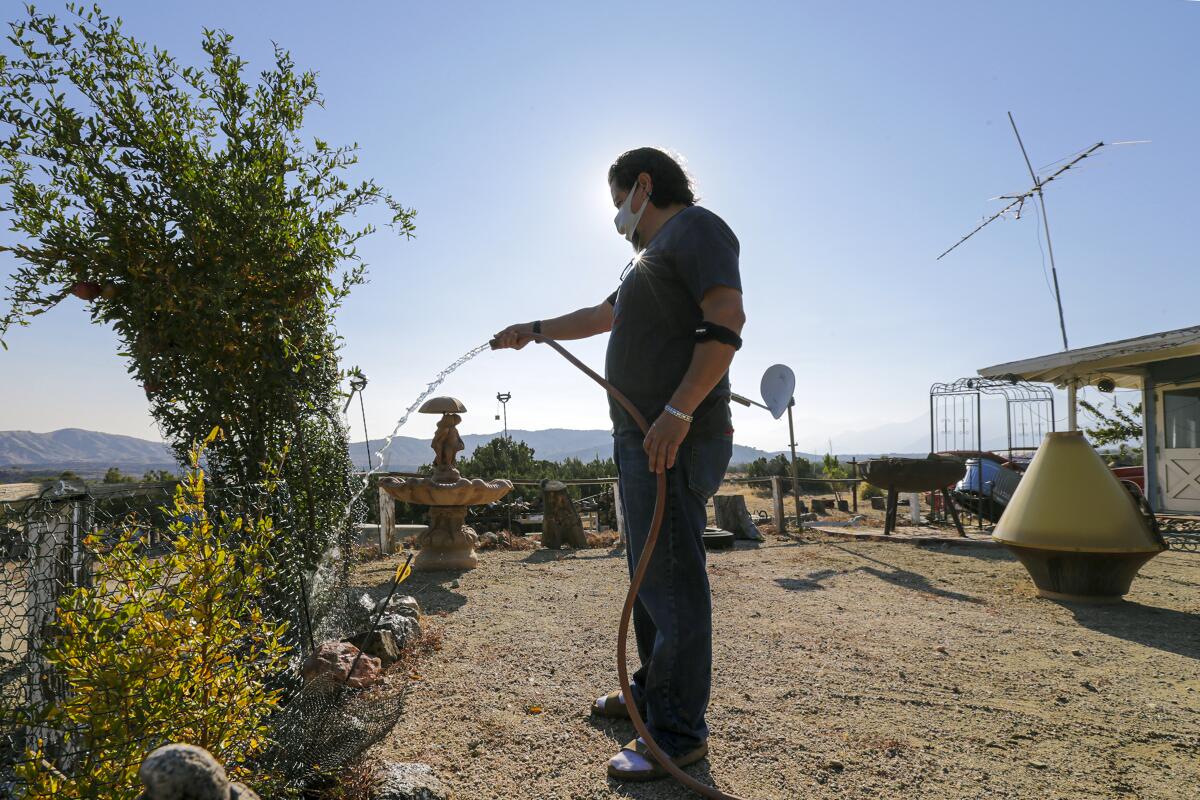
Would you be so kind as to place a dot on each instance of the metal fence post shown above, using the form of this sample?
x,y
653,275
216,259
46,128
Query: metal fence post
x,y
81,526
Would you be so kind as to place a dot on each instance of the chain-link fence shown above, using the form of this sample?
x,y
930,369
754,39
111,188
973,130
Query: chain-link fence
x,y
133,615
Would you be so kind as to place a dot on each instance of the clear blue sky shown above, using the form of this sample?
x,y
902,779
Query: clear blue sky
x,y
847,144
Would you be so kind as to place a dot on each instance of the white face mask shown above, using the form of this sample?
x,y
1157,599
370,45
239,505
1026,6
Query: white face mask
x,y
627,221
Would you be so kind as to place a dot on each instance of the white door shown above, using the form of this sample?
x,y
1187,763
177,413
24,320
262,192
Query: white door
x,y
1179,447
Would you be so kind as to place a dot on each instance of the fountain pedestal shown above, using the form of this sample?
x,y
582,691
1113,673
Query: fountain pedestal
x,y
448,543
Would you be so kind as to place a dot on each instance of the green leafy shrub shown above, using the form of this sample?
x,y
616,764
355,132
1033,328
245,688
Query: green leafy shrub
x,y
160,649
185,205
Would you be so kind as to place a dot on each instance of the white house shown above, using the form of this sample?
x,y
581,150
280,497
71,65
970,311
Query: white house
x,y
1166,367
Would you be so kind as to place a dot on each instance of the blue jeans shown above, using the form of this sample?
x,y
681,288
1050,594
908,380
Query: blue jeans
x,y
672,618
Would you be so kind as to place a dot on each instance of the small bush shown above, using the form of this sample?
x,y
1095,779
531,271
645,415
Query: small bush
x,y
867,491
156,650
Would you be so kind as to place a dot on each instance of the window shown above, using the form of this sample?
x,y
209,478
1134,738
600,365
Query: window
x,y
1181,418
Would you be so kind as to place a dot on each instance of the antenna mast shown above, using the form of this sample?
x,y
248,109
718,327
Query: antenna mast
x,y
1017,202
1037,188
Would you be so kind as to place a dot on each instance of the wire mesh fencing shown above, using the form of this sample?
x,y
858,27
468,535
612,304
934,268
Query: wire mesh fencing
x,y
135,615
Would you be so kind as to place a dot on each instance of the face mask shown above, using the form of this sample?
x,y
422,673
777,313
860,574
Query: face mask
x,y
627,221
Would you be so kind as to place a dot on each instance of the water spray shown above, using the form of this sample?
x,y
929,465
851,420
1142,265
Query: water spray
x,y
635,583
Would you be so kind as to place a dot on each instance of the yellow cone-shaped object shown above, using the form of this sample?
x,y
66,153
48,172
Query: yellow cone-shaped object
x,y
1069,500
1074,526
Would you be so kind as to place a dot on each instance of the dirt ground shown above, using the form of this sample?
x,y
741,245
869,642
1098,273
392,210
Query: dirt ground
x,y
842,670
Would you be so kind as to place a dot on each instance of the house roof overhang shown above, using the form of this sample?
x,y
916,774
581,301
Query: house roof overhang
x,y
1124,361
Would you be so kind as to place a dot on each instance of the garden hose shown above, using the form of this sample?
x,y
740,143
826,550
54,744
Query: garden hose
x,y
635,584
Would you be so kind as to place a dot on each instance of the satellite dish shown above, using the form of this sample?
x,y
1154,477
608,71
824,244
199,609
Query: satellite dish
x,y
778,385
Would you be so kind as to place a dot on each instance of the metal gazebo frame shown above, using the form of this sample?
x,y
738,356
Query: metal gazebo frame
x,y
1024,406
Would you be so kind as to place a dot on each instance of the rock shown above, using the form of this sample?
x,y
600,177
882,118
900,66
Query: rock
x,y
408,781
380,643
404,604
404,628
334,659
183,772
365,609
240,791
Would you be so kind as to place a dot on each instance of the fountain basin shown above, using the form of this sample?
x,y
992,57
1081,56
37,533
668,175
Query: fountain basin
x,y
462,492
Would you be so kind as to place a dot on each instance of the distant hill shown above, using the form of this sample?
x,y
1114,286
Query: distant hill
x,y
554,444
89,453
72,447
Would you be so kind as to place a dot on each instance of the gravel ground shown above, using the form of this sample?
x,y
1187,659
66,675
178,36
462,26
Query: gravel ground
x,y
841,670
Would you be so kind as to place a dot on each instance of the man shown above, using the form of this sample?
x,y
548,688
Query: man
x,y
675,324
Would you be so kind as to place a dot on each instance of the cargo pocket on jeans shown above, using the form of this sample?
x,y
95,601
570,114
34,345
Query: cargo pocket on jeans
x,y
707,462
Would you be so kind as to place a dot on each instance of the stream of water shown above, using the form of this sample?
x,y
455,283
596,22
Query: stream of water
x,y
400,423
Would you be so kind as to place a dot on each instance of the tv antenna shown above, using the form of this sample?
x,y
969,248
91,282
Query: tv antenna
x,y
503,398
1017,202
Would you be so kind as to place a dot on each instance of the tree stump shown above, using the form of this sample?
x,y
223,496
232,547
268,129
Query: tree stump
x,y
560,521
733,516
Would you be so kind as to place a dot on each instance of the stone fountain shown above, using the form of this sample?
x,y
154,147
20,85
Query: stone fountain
x,y
447,543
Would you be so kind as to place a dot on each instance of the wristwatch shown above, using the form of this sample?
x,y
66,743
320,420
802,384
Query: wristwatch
x,y
537,327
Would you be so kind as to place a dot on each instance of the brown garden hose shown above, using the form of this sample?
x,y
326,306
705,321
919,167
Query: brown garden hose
x,y
635,584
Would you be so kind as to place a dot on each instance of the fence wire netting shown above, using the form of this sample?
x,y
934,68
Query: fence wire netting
x,y
175,622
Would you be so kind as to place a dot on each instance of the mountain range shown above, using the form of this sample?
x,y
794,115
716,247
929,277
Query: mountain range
x,y
90,452
554,444
72,447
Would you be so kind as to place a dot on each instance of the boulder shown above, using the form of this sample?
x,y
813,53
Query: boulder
x,y
399,604
333,660
183,772
404,628
404,604
381,644
409,781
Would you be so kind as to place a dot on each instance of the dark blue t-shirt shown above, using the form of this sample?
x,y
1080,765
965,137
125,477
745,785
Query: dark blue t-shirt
x,y
655,314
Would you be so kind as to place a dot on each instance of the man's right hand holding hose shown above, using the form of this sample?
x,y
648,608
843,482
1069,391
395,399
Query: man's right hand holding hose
x,y
514,336
580,324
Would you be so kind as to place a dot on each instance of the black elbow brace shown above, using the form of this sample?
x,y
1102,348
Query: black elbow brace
x,y
711,330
